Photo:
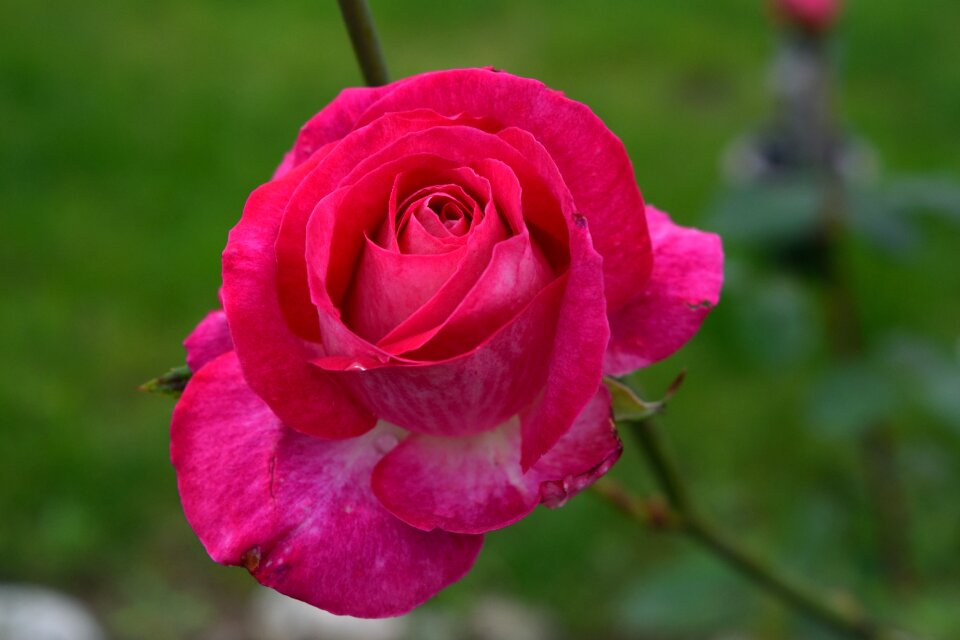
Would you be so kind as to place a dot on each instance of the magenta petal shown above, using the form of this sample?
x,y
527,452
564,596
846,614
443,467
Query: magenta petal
x,y
592,160
275,361
331,259
336,120
684,287
376,304
467,485
331,163
517,271
298,512
208,340
584,454
576,360
481,248
422,236
467,394
475,484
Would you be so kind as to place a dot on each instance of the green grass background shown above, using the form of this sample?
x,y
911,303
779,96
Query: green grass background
x,y
130,136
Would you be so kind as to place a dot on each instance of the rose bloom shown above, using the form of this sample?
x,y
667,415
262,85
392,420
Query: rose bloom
x,y
418,309
813,16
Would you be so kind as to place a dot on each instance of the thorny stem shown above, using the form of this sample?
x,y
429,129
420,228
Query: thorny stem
x,y
680,514
366,46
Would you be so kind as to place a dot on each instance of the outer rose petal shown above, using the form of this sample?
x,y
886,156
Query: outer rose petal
x,y
208,340
475,484
592,160
297,511
275,361
685,286
576,361
336,120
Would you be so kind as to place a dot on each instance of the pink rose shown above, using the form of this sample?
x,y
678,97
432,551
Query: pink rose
x,y
422,303
813,16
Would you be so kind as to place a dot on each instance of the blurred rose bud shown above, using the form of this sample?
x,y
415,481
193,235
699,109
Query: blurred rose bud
x,y
814,16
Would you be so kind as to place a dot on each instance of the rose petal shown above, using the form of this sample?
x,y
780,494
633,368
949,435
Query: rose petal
x,y
340,223
332,163
470,393
427,321
594,164
293,293
467,394
275,361
583,455
377,302
516,273
208,340
337,119
576,359
298,512
475,484
409,184
685,286
422,219
332,247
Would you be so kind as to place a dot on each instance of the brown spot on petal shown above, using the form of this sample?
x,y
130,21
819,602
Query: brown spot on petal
x,y
703,304
580,221
251,559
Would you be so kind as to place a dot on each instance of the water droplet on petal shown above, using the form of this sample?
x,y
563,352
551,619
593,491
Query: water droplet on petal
x,y
356,366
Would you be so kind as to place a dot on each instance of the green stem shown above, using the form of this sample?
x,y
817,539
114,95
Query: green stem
x,y
850,622
366,46
685,518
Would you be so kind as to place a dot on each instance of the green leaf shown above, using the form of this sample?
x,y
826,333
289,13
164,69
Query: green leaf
x,y
850,397
627,405
938,196
688,596
768,213
929,373
774,319
172,383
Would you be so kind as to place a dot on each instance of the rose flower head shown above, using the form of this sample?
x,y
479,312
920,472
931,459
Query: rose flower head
x,y
812,16
418,309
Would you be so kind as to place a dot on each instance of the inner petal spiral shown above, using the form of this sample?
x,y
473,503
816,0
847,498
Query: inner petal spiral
x,y
436,219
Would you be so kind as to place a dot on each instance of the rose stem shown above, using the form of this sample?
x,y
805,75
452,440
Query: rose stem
x,y
366,46
679,514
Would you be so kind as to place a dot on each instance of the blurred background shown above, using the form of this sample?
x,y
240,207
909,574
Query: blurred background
x,y
131,134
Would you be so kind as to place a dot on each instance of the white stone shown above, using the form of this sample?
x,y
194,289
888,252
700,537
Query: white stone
x,y
37,613
277,617
498,618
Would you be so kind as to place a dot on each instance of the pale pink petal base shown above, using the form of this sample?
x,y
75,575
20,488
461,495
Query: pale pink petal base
x,y
298,511
475,484
684,287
